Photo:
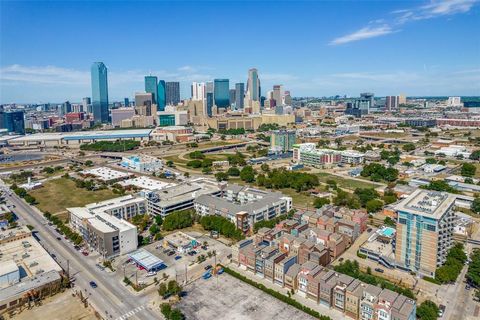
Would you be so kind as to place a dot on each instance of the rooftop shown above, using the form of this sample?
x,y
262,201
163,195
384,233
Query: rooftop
x,y
147,183
432,204
106,174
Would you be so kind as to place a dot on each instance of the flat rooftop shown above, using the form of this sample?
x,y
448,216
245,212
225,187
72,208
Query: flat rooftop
x,y
146,183
85,135
106,174
28,284
427,203
26,252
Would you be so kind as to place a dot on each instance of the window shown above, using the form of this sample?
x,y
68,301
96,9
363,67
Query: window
x,y
429,227
402,221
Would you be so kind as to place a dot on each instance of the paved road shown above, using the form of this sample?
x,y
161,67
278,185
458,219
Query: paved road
x,y
111,298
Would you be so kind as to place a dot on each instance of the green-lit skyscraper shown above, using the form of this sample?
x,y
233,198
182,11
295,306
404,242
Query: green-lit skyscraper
x,y
99,92
151,87
221,92
161,100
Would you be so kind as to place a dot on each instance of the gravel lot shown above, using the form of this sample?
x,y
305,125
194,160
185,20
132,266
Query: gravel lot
x,y
232,299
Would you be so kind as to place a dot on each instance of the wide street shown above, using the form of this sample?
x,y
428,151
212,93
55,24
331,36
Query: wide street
x,y
111,298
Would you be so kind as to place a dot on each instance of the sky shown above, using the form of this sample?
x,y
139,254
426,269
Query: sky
x,y
313,48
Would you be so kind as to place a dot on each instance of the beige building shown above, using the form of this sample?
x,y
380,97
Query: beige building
x,y
424,231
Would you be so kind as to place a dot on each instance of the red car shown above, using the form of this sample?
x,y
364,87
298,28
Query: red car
x,y
85,253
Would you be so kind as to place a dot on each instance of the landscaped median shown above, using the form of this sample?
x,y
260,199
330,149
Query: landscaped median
x,y
276,294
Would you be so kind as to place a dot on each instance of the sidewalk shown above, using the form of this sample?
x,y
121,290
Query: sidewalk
x,y
323,310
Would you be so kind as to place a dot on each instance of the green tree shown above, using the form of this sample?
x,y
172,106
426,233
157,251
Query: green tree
x,y
428,310
374,205
476,205
475,155
320,202
468,170
221,176
265,167
408,147
178,220
247,174
196,155
366,194
233,172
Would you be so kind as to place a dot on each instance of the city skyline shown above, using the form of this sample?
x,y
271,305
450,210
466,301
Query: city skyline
x,y
387,49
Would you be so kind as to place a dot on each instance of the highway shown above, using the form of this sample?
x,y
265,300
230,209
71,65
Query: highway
x,y
111,298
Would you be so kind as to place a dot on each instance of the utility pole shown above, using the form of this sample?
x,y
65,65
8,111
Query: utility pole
x,y
136,278
68,268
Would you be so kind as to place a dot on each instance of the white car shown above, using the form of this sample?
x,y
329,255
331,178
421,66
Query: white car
x,y
151,274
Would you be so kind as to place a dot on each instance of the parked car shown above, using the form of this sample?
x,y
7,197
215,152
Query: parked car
x,y
58,238
178,257
171,253
441,310
208,267
93,284
85,253
379,270
151,273
204,247
77,248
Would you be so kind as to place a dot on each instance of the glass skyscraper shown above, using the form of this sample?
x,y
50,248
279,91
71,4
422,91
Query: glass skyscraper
x,y
99,92
161,101
172,93
221,93
209,103
151,87
253,85
239,95
13,121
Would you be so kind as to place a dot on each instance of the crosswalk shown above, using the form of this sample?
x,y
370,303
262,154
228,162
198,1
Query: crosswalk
x,y
131,313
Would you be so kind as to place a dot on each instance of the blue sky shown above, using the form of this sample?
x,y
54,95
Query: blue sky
x,y
314,48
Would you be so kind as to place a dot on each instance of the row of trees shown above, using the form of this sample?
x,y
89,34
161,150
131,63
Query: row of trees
x,y
282,178
473,273
64,229
22,193
111,146
178,220
378,172
224,226
456,259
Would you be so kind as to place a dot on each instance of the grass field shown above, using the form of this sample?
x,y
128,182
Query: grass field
x,y
58,194
346,183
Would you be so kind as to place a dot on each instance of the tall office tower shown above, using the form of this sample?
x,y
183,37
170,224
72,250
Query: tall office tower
x,y
368,96
99,92
424,231
86,102
151,87
391,102
144,104
253,85
278,94
126,102
221,92
287,98
454,101
239,94
402,99
65,108
209,104
162,95
282,140
172,93
13,121
198,91
209,87
231,94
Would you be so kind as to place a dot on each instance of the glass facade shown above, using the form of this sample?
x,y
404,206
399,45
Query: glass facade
x,y
13,121
221,89
209,103
239,95
172,92
99,92
161,90
166,120
151,87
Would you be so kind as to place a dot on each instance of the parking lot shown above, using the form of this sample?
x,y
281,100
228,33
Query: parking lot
x,y
178,266
238,301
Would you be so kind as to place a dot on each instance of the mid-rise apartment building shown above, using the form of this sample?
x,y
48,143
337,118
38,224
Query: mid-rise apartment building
x,y
424,231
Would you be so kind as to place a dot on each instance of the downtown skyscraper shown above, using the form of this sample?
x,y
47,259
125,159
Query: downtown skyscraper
x,y
162,98
151,87
221,95
99,92
253,85
239,95
172,91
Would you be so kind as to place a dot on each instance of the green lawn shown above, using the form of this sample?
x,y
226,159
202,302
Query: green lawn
x,y
58,194
346,183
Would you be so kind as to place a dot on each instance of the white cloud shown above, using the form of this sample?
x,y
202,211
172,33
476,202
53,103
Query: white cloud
x,y
362,34
44,75
431,10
